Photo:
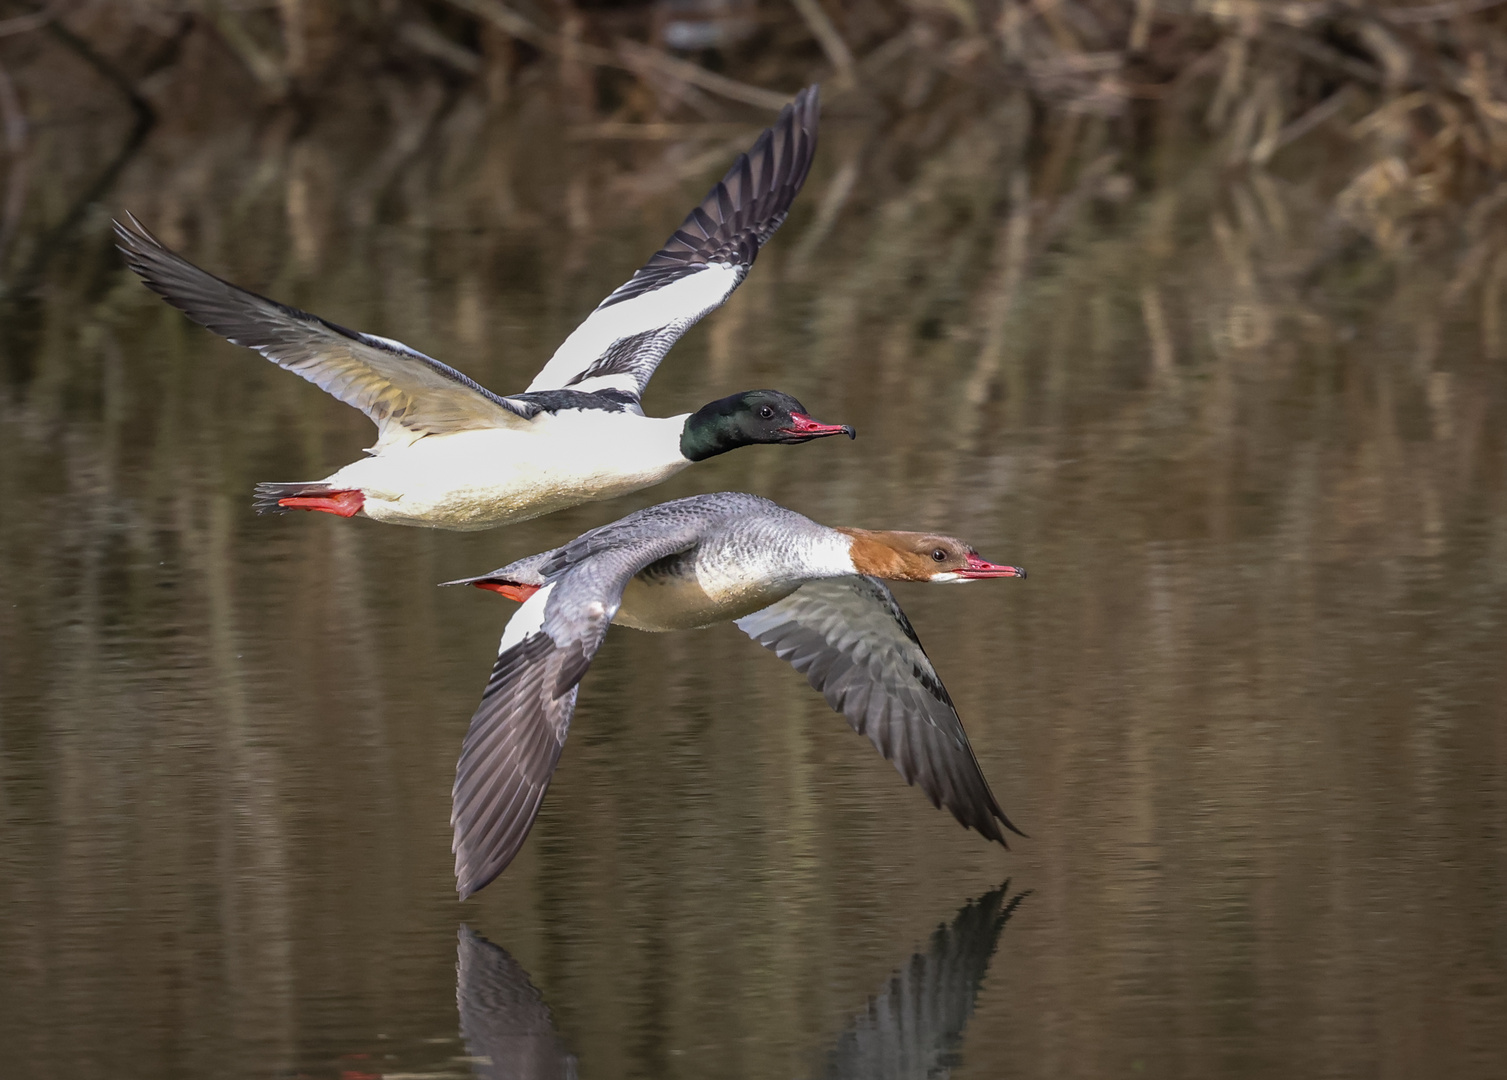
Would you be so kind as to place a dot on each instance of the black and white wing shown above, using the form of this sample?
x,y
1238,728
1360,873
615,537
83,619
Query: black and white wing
x,y
507,1028
913,1027
517,732
854,644
624,339
406,394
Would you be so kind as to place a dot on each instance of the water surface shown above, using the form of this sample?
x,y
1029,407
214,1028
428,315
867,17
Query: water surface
x,y
1249,704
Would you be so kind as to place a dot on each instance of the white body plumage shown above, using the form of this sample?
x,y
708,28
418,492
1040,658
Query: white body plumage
x,y
728,577
483,478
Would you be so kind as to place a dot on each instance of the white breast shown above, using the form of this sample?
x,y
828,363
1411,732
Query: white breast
x,y
488,477
684,603
734,574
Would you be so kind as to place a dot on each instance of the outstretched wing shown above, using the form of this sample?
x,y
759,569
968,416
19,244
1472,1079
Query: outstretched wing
x,y
913,1027
624,339
406,394
854,644
519,729
504,1021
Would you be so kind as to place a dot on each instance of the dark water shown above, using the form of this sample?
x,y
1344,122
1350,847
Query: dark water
x,y
1249,704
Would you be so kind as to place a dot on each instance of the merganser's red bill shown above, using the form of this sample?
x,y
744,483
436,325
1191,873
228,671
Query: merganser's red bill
x,y
807,428
982,568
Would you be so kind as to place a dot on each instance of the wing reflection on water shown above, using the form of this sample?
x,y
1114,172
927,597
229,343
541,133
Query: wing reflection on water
x,y
911,1029
914,1026
504,1021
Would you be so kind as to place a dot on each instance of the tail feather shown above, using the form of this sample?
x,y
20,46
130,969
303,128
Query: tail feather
x,y
523,575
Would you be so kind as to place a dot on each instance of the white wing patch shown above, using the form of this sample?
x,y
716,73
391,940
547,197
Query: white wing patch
x,y
526,620
666,312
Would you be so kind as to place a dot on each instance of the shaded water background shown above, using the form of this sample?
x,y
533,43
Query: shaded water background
x,y
1249,704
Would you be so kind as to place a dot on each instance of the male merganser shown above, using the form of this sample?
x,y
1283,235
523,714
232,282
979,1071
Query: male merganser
x,y
809,593
451,454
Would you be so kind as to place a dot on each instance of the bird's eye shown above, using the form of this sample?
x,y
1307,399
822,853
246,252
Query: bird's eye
x,y
940,555
765,411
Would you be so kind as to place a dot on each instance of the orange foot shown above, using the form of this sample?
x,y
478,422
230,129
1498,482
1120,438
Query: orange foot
x,y
341,503
519,593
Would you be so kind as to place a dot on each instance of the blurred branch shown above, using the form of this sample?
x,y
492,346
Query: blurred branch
x,y
429,41
1438,12
511,23
630,55
145,114
20,24
830,40
17,180
1313,118
636,54
1329,56
833,200
52,241
264,67
657,132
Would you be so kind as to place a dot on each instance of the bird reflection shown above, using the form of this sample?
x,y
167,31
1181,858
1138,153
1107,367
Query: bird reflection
x,y
507,1027
912,1028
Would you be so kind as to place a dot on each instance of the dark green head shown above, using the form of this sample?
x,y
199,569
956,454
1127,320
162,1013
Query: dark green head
x,y
757,416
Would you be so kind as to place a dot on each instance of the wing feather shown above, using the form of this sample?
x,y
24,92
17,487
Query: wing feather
x,y
507,760
854,644
518,731
406,394
624,339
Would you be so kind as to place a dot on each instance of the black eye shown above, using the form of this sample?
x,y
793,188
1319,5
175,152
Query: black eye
x,y
939,555
765,411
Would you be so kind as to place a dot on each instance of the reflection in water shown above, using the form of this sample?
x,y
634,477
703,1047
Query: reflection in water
x,y
504,1021
911,1030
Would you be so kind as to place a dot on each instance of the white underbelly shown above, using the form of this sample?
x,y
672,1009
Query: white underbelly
x,y
482,479
687,602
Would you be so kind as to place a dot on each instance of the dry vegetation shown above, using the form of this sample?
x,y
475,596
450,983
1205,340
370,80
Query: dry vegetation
x,y
1397,112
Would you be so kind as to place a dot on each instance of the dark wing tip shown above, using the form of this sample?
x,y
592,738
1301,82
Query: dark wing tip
x,y
207,299
136,242
980,810
743,209
507,760
854,644
132,231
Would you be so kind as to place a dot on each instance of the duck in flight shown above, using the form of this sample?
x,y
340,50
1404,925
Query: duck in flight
x,y
451,454
813,595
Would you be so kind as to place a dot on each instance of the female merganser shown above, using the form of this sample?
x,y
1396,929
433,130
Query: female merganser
x,y
809,593
451,454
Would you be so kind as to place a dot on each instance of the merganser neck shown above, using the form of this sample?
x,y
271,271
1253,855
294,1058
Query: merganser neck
x,y
698,440
716,428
